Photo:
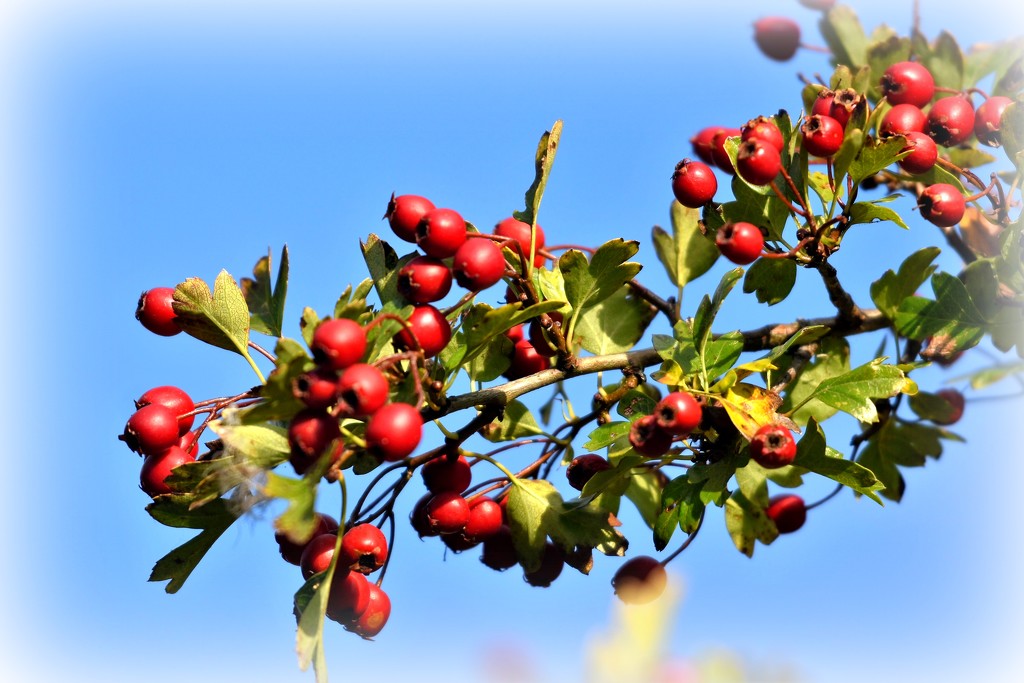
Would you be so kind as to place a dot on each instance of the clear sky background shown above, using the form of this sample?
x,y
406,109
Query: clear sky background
x,y
142,147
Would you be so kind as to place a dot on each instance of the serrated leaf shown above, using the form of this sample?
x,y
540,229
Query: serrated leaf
x,y
854,392
813,455
588,283
687,253
945,61
220,319
175,510
517,423
877,155
831,359
747,522
606,435
644,491
844,36
951,315
889,291
869,212
383,264
750,407
681,507
544,159
481,324
770,279
614,325
266,302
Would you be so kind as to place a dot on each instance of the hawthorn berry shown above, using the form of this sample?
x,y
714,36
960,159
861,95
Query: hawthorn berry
x,y
156,468
445,474
310,432
902,119
317,389
418,517
424,279
375,616
499,552
156,312
773,446
447,512
540,338
362,389
189,442
950,120
317,554
679,413
788,511
363,549
526,361
740,242
291,551
757,161
845,102
988,120
583,468
908,83
521,231
694,183
429,327
942,204
956,401
822,136
441,232
394,431
552,560
349,597
174,398
485,519
338,343
640,580
405,212
923,153
822,105
777,37
151,429
647,438
702,143
478,264
763,128
718,153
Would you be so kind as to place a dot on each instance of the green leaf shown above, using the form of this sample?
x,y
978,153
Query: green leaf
x,y
813,455
900,444
854,392
589,283
929,406
945,61
220,319
770,279
517,423
383,264
493,358
989,376
606,435
853,143
831,359
279,402
1011,133
644,491
709,307
877,155
614,325
545,158
889,291
482,323
687,253
174,510
844,36
952,315
747,522
310,605
869,212
681,506
266,302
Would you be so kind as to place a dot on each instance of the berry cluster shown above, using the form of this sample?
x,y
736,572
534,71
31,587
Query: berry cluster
x,y
160,430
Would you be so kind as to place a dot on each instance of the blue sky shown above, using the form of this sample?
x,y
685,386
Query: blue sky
x,y
151,146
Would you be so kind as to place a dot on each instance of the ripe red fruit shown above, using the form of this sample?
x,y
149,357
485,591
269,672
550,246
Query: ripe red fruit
x,y
694,183
349,597
740,242
950,120
291,551
485,519
429,327
788,511
843,105
418,517
338,343
902,118
777,37
156,313
520,232
822,105
583,468
375,616
446,474
540,339
316,556
678,413
499,553
956,400
551,563
763,128
647,438
773,446
822,136
478,264
447,513
640,580
174,398
942,204
405,212
757,161
923,154
515,333
363,549
156,468
526,361
908,83
424,279
317,388
310,432
702,142
718,153
151,429
362,389
441,232
394,431
988,120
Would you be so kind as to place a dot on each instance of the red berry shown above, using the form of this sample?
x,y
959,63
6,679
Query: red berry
x,y
418,517
988,120
429,327
447,513
702,143
822,105
394,431
317,554
292,551
349,597
540,339
902,118
950,120
317,388
515,333
773,446
844,103
174,398
151,429
424,279
822,136
647,438
679,413
718,153
363,549
363,389
640,580
956,400
923,154
763,128
189,442
583,468
788,511
757,161
499,553
485,519
156,313
740,242
446,474
378,611
520,232
405,212
526,361
942,204
310,432
908,83
694,183
441,232
551,563
777,37
338,343
156,468
478,264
